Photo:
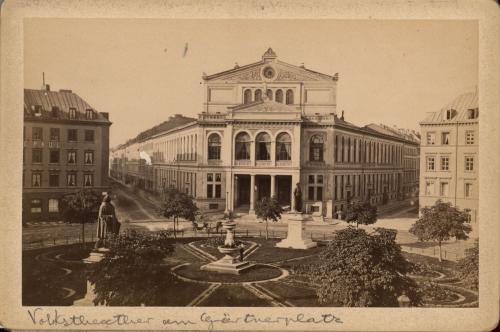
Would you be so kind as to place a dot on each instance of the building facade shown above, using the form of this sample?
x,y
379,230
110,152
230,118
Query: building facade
x,y
449,156
66,148
263,129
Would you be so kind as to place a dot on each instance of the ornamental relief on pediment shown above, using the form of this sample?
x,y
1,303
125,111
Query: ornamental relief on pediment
x,y
255,74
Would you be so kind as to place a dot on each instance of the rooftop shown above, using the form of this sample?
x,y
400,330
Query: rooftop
x,y
55,105
461,108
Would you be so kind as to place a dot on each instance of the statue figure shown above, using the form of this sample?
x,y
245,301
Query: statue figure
x,y
107,223
297,196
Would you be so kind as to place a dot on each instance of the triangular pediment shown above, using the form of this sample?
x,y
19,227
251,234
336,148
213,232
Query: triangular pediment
x,y
283,72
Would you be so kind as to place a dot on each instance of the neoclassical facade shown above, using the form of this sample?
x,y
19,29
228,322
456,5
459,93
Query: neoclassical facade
x,y
264,128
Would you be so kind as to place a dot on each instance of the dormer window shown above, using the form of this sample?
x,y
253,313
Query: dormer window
x,y
89,114
55,111
37,110
450,114
472,113
72,113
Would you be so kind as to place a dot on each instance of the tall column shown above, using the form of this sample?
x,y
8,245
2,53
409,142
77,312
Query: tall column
x,y
273,184
252,194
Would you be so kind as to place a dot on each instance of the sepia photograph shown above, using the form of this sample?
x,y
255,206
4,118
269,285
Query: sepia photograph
x,y
214,168
237,163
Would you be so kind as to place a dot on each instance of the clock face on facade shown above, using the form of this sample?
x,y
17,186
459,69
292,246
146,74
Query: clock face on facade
x,y
268,72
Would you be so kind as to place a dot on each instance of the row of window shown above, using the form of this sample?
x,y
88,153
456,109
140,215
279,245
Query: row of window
x,y
185,181
278,95
444,189
181,148
445,138
90,114
262,147
55,134
349,149
55,156
36,205
55,176
444,164
472,113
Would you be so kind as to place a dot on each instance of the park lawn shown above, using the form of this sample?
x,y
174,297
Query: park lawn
x,y
269,253
258,272
233,296
181,293
43,282
295,294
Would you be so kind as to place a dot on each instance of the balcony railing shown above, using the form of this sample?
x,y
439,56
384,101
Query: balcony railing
x,y
211,117
263,163
242,163
283,163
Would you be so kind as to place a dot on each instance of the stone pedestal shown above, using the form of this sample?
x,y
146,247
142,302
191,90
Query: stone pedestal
x,y
95,256
296,238
229,263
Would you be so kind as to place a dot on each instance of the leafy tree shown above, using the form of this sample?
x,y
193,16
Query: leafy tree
x,y
177,205
468,267
268,209
440,222
131,272
361,213
81,207
362,270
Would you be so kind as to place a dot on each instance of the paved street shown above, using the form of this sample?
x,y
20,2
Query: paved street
x,y
139,212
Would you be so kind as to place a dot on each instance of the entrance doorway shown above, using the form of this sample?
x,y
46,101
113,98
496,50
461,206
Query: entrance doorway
x,y
263,183
243,190
284,189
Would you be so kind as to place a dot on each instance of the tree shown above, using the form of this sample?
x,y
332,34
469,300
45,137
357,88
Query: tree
x,y
268,209
440,222
177,205
132,272
357,269
468,267
361,213
80,207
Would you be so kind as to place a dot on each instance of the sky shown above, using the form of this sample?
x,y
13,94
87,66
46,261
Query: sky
x,y
390,72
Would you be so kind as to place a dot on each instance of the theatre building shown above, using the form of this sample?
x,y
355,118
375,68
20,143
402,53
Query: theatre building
x,y
450,156
262,129
66,149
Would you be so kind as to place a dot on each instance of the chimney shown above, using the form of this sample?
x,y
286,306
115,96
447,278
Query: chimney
x,y
342,116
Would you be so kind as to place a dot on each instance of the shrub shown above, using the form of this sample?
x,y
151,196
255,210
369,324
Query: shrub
x,y
468,267
362,270
132,273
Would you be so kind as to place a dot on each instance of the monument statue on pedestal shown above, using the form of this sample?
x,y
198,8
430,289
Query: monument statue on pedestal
x,y
107,223
297,197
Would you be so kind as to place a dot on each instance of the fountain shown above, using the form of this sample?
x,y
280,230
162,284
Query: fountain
x,y
230,263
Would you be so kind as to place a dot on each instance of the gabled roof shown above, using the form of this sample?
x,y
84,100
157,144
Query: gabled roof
x,y
269,57
63,100
175,121
460,104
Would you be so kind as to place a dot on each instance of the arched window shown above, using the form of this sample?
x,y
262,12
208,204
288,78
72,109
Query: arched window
x,y
242,146
289,97
258,95
316,148
214,145
247,96
279,96
269,94
284,147
263,147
